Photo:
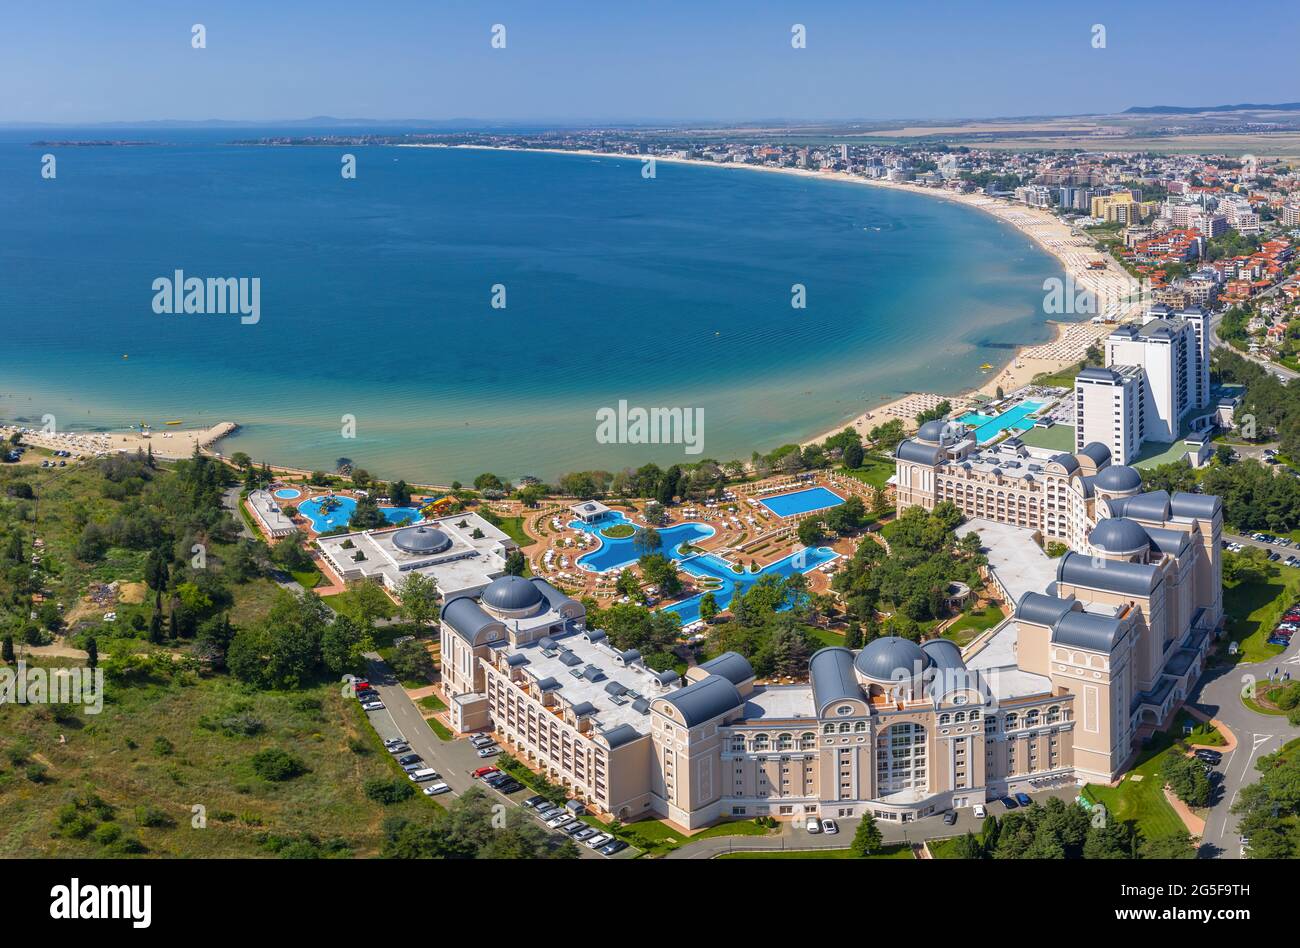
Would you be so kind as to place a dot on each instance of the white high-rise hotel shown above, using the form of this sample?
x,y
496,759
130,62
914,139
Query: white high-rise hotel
x,y
1155,375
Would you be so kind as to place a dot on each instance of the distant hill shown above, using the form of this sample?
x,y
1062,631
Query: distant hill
x,y
1191,109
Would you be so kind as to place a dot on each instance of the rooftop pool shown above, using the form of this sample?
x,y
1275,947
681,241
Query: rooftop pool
x,y
988,427
801,501
731,583
614,553
341,509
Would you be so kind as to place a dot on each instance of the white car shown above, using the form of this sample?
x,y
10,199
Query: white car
x,y
829,827
559,820
813,825
373,706
434,789
600,839
980,811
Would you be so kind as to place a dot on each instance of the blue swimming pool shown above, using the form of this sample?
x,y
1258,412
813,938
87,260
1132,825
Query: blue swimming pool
x,y
801,501
288,493
623,552
731,583
988,427
323,521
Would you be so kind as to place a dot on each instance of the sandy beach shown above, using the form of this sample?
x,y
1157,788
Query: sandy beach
x,y
1075,253
166,443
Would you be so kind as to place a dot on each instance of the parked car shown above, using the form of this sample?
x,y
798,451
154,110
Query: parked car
x,y
373,706
436,788
1023,799
1010,803
509,787
412,768
408,759
490,751
813,825
399,749
394,741
980,811
483,772
535,800
600,839
497,778
560,820
949,818
585,834
425,775
573,828
829,827
612,847
481,740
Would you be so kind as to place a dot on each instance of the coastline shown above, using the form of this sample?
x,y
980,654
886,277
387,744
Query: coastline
x,y
171,444
1049,232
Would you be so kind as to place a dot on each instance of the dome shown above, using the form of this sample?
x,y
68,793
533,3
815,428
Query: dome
x,y
421,540
511,594
931,431
1117,478
1119,535
883,659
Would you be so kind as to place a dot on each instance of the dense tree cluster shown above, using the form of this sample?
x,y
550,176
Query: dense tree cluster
x,y
1056,829
909,579
470,829
1270,808
299,641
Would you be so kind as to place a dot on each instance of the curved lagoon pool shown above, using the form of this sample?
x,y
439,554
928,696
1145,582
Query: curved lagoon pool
x,y
614,553
731,583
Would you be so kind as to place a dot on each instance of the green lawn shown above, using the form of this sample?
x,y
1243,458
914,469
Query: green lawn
x,y
1253,610
1142,801
875,470
896,851
514,528
619,531
1055,438
972,624
433,703
947,848
1203,733
307,578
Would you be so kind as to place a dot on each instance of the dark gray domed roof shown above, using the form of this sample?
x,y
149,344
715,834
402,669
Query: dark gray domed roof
x,y
883,659
511,593
1117,478
1119,535
931,431
421,540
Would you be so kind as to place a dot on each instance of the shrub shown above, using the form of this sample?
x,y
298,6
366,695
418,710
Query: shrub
x,y
275,764
388,791
152,816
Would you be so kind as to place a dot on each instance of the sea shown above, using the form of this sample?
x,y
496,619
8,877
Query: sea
x,y
447,312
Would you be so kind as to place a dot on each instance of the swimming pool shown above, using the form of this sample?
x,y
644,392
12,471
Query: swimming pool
x,y
801,501
323,521
731,583
288,493
988,427
614,553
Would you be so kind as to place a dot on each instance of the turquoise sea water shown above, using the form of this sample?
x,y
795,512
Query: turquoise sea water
x,y
375,300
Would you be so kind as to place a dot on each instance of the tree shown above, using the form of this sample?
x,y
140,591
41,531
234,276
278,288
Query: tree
x,y
516,563
646,539
400,494
419,596
367,602
7,648
92,652
343,645
867,839
1173,846
708,607
412,662
853,456
660,571
809,532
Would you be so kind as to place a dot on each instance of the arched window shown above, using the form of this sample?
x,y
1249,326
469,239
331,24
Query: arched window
x,y
1031,718
1013,721
859,727
959,717
975,715
1053,714
945,719
785,742
828,728
845,727
807,741
760,742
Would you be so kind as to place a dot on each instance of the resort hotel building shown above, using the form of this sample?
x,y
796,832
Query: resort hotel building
x,y
1103,644
1156,375
461,553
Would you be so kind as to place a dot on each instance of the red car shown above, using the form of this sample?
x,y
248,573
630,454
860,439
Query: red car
x,y
483,772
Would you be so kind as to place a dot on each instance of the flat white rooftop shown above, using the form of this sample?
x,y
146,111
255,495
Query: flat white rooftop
x,y
996,663
780,701
1013,554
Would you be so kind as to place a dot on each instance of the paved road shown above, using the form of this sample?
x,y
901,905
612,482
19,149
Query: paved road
x,y
1219,695
794,836
1280,371
230,502
454,760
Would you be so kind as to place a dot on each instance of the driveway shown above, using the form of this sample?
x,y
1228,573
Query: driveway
x,y
1219,694
454,760
794,836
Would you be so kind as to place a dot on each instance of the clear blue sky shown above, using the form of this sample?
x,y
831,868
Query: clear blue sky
x,y
123,60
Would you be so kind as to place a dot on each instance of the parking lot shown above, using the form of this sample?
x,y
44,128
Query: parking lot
x,y
455,761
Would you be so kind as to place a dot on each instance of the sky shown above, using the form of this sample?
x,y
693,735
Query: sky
x,y
88,61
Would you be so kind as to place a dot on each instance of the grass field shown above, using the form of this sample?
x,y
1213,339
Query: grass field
x,y
875,470
972,624
159,750
1253,610
1142,801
